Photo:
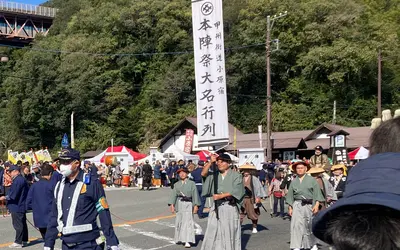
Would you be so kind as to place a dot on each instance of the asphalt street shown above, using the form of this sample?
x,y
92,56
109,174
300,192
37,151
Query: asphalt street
x,y
142,221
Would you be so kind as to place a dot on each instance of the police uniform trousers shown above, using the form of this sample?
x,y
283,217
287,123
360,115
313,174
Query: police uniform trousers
x,y
202,199
20,226
88,245
300,226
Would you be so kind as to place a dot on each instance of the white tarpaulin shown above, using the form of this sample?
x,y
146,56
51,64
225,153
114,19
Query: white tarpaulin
x,y
209,56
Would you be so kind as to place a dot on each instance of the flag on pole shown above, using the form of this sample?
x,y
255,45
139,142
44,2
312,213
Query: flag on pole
x,y
64,141
12,156
209,56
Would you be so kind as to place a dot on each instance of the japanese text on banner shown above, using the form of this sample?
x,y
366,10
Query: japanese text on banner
x,y
209,54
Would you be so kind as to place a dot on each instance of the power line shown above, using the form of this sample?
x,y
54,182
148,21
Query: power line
x,y
125,54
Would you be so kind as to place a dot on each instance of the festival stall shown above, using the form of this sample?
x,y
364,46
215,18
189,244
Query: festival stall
x,y
180,155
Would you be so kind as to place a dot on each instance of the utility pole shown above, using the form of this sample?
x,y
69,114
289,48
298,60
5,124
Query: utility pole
x,y
334,113
72,131
270,24
379,84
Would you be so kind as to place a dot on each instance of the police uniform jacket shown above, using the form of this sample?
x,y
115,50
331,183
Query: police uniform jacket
x,y
16,198
40,200
196,175
90,204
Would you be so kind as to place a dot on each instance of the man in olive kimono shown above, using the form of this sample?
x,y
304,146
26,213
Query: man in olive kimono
x,y
185,201
223,227
303,197
254,192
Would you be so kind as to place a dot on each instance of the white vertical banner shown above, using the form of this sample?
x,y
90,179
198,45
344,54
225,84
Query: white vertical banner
x,y
209,56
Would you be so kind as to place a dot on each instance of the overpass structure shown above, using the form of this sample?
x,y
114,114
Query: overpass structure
x,y
21,23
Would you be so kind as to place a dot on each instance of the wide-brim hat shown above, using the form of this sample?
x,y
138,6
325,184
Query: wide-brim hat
x,y
316,171
338,166
182,170
362,188
247,167
294,165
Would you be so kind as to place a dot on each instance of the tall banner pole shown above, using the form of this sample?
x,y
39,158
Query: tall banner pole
x,y
209,56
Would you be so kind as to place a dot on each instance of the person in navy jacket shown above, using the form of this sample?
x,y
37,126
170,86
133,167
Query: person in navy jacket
x,y
78,201
40,199
198,179
16,199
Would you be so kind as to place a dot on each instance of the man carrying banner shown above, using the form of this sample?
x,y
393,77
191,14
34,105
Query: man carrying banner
x,y
226,188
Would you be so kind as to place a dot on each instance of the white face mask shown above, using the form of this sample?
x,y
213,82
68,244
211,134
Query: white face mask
x,y
66,170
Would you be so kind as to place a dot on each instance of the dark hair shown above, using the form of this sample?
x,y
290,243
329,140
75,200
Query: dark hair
x,y
385,138
46,169
364,227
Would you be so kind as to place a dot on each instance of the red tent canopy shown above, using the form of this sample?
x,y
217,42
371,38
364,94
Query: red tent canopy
x,y
122,149
203,155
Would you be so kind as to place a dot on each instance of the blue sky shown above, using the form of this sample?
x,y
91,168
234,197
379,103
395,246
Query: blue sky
x,y
28,1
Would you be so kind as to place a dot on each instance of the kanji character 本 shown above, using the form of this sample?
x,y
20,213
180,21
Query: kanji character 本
x,y
205,25
209,129
220,69
206,78
220,79
205,41
207,94
218,35
219,58
206,60
221,90
217,24
208,110
218,47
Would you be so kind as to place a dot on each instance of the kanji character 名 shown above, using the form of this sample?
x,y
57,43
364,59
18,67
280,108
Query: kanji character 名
x,y
209,129
205,41
217,24
208,110
221,90
207,94
205,25
207,78
206,60
220,79
218,47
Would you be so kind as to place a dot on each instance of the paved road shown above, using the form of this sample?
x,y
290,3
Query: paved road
x,y
143,222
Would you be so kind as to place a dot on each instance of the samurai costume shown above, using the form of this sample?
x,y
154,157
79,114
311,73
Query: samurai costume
x,y
224,233
184,197
302,196
253,190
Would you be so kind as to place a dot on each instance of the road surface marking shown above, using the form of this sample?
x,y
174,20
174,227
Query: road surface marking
x,y
115,225
162,223
148,234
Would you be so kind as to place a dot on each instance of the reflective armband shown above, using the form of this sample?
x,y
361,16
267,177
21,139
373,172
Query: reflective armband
x,y
101,204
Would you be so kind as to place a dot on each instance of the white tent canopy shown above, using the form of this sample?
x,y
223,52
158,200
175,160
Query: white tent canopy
x,y
180,155
361,154
157,156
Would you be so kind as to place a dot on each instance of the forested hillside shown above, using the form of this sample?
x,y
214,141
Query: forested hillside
x,y
125,67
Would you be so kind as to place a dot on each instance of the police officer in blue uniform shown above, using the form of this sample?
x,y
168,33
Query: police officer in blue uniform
x,y
16,199
198,179
40,198
78,200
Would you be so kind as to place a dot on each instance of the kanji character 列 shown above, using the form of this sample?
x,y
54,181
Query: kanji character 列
x,y
209,129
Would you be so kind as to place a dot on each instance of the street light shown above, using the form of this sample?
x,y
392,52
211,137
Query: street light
x,y
270,24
